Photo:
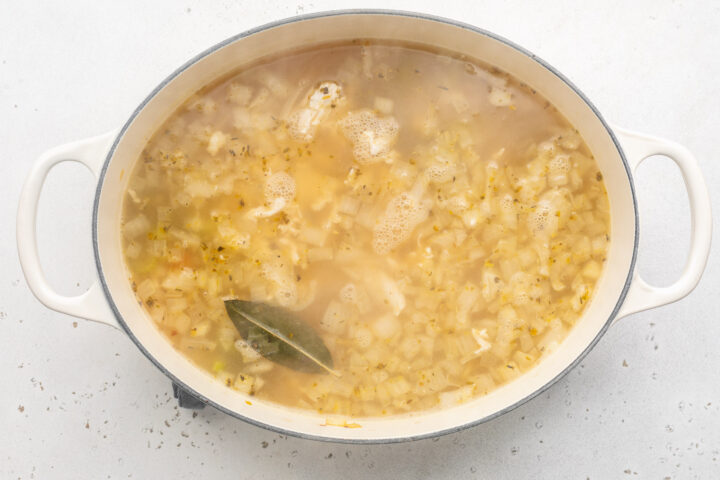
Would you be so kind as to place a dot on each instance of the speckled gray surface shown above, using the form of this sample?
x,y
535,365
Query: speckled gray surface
x,y
79,400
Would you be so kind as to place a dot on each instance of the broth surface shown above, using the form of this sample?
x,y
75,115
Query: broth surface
x,y
440,225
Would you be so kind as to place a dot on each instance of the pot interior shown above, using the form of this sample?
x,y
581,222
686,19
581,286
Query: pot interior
x,y
344,26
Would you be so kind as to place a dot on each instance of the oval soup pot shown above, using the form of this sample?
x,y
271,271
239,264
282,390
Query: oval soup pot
x,y
619,292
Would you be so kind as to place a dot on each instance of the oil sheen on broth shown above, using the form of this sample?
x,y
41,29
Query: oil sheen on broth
x,y
439,224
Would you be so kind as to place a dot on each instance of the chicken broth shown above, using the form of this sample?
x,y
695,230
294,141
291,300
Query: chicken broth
x,y
438,225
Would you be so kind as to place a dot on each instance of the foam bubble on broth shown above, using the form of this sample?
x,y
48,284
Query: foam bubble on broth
x,y
280,185
402,215
372,136
437,223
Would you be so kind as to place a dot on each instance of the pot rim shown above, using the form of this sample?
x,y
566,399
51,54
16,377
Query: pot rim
x,y
379,12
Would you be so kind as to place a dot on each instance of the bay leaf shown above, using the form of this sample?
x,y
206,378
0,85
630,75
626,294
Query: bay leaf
x,y
278,335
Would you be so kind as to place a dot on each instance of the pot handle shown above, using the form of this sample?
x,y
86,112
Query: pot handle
x,y
91,305
643,296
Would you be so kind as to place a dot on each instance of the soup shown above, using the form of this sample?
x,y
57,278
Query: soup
x,y
431,226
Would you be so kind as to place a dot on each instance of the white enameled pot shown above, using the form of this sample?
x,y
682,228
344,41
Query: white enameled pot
x,y
620,292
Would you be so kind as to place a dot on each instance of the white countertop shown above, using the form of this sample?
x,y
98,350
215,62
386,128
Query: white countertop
x,y
78,400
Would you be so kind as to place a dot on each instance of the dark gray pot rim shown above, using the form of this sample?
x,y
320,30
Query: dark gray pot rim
x,y
333,13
